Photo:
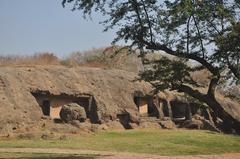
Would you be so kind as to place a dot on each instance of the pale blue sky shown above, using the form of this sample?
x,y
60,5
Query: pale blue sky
x,y
30,26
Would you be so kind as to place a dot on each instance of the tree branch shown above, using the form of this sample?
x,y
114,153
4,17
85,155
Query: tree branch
x,y
148,21
212,86
199,36
188,33
234,70
194,93
140,38
135,6
202,61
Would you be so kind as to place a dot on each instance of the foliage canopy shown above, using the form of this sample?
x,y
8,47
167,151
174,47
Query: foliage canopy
x,y
204,31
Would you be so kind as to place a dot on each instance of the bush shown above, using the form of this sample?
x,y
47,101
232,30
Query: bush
x,y
36,59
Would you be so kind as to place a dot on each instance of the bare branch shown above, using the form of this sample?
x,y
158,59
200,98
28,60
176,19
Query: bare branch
x,y
199,36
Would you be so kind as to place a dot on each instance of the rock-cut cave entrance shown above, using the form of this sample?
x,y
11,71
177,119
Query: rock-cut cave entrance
x,y
46,107
145,105
51,104
181,111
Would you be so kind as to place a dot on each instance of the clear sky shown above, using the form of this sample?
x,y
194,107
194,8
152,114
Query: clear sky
x,y
31,26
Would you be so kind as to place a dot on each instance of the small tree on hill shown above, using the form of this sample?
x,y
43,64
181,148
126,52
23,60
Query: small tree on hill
x,y
204,31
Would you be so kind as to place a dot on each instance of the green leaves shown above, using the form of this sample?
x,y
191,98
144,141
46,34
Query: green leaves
x,y
86,6
228,51
166,74
205,30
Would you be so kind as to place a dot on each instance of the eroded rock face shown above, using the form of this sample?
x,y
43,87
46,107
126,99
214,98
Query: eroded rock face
x,y
168,124
192,124
115,125
150,125
198,122
71,112
111,90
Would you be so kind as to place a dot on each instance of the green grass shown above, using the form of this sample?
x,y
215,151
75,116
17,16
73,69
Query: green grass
x,y
161,142
41,156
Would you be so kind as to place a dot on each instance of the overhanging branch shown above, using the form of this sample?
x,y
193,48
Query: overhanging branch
x,y
157,47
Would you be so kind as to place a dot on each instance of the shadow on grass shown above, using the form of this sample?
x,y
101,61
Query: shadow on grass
x,y
50,156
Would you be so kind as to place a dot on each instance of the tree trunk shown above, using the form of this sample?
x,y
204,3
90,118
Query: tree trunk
x,y
228,124
209,113
159,107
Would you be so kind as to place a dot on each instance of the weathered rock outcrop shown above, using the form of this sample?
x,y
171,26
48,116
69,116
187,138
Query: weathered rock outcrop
x,y
112,91
176,102
72,111
198,122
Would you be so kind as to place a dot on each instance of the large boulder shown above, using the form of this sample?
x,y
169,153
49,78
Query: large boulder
x,y
149,125
133,115
71,112
168,124
115,125
199,122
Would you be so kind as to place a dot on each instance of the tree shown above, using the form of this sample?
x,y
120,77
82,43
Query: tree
x,y
198,30
228,50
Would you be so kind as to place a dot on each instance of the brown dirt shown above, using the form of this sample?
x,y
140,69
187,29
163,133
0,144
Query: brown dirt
x,y
115,155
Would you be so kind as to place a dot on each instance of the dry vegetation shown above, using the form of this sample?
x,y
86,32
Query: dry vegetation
x,y
37,59
107,57
91,58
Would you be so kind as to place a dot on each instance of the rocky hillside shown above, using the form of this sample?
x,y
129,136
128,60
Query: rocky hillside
x,y
113,91
112,86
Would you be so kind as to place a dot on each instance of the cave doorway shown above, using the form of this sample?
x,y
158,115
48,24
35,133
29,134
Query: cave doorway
x,y
46,107
52,104
142,105
145,106
124,120
181,111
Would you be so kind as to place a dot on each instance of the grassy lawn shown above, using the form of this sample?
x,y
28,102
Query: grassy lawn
x,y
41,156
161,142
